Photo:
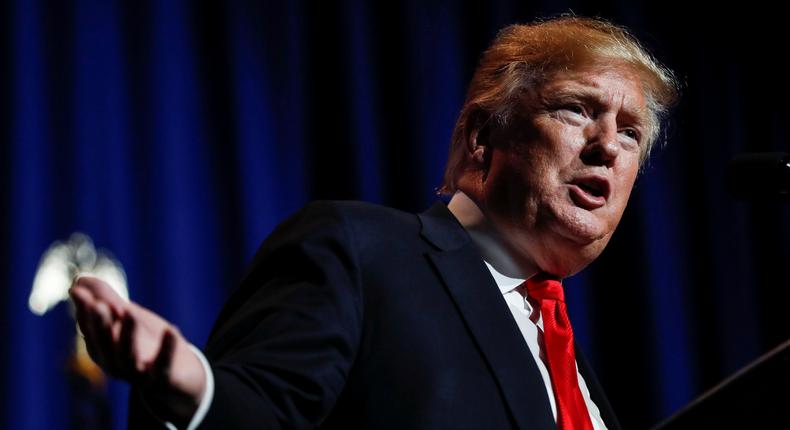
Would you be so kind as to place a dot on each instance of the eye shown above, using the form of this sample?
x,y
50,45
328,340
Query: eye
x,y
631,134
575,108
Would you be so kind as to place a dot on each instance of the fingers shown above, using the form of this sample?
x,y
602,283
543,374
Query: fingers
x,y
84,304
102,291
82,300
138,345
159,371
102,322
102,328
133,344
126,350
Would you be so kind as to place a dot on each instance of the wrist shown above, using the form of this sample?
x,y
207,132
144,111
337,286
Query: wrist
x,y
177,399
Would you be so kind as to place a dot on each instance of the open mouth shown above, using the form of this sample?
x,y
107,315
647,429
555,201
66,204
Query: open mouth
x,y
590,192
591,189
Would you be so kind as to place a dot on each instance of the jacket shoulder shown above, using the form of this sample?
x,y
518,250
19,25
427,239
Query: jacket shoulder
x,y
359,221
359,211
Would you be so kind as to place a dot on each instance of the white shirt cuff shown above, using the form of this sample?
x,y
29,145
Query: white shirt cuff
x,y
208,394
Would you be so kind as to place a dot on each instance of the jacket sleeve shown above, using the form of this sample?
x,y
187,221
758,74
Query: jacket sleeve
x,y
284,343
283,346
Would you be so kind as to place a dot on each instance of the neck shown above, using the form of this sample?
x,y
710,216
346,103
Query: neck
x,y
495,250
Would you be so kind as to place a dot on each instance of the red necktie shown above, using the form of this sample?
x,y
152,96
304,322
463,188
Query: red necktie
x,y
572,411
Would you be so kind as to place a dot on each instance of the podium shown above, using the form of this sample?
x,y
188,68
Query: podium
x,y
755,397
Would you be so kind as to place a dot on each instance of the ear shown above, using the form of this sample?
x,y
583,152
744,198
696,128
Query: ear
x,y
477,141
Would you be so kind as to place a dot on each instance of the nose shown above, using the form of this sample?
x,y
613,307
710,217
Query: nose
x,y
602,146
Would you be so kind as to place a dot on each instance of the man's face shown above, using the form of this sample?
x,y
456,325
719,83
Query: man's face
x,y
560,173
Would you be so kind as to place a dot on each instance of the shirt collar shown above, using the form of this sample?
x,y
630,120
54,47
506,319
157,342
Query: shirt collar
x,y
505,283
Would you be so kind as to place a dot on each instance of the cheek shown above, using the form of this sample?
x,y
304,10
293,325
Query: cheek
x,y
512,192
622,200
561,141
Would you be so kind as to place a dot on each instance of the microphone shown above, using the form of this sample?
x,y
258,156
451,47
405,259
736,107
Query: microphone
x,y
763,175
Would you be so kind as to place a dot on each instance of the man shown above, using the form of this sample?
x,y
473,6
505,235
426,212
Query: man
x,y
359,316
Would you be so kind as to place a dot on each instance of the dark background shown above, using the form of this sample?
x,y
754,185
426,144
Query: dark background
x,y
178,134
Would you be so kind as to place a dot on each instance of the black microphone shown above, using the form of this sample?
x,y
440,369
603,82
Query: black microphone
x,y
764,175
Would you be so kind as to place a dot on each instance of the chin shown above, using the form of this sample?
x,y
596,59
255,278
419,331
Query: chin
x,y
564,256
568,261
580,226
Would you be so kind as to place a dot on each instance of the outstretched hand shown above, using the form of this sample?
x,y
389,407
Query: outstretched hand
x,y
132,343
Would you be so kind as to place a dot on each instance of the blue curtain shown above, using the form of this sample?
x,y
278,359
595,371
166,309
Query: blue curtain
x,y
178,134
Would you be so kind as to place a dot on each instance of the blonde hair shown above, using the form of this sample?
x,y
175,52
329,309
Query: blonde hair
x,y
526,56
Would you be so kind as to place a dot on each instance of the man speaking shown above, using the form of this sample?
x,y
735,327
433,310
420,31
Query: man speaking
x,y
359,316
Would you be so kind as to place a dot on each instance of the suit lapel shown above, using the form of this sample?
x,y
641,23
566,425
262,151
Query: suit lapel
x,y
596,392
488,318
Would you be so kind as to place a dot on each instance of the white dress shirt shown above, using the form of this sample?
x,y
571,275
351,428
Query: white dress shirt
x,y
526,316
530,324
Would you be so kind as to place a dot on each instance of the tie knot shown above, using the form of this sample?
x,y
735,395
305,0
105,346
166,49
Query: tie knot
x,y
544,287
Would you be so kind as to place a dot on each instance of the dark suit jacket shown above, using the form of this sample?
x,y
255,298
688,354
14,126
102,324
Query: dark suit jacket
x,y
358,316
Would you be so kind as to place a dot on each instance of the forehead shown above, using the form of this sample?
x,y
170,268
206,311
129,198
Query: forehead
x,y
615,89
